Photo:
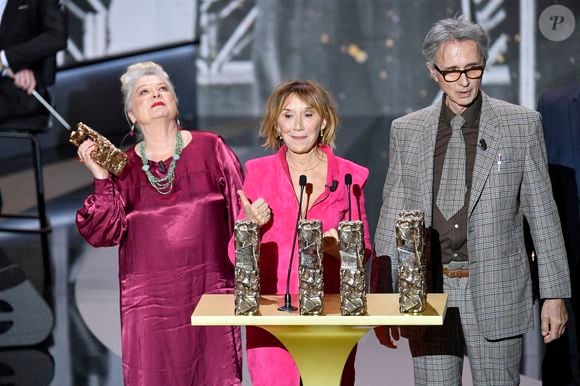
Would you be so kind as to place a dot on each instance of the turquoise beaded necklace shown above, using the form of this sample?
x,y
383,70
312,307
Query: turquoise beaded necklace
x,y
163,185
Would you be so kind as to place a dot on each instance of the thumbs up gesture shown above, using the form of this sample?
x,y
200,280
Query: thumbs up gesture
x,y
258,211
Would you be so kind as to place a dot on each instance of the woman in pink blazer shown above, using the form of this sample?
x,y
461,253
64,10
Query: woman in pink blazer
x,y
300,124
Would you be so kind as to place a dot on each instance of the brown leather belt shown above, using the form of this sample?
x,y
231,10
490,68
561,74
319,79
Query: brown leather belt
x,y
455,273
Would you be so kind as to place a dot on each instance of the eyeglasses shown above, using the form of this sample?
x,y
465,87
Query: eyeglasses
x,y
475,72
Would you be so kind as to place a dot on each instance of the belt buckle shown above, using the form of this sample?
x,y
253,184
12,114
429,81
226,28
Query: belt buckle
x,y
455,273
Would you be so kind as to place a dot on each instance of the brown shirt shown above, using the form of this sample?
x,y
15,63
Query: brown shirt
x,y
452,234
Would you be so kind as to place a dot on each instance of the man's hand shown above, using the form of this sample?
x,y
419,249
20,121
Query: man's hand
x,y
330,243
24,79
388,335
553,319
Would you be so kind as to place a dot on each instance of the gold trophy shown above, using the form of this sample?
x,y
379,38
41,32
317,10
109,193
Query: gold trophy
x,y
411,271
105,154
310,269
247,270
353,294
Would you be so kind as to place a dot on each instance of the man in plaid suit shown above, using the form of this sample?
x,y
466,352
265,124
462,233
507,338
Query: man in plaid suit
x,y
478,253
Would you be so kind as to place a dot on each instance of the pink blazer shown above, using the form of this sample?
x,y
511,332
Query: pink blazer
x,y
269,177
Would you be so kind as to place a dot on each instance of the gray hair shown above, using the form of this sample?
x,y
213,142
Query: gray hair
x,y
454,29
136,71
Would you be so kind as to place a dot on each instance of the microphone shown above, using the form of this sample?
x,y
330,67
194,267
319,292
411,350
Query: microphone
x,y
348,183
483,144
162,167
287,297
333,186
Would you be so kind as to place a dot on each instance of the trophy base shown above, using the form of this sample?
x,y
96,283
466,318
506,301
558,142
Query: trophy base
x,y
287,308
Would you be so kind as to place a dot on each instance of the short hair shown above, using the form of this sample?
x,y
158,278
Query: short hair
x,y
136,71
454,29
314,95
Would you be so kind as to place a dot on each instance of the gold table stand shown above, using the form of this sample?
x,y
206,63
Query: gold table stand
x,y
320,345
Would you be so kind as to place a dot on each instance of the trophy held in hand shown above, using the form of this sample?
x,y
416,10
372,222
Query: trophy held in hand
x,y
106,154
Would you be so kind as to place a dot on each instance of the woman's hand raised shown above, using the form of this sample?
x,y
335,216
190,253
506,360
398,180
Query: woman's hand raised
x,y
258,211
84,152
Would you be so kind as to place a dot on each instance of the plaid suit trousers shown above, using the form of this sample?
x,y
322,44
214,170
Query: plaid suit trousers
x,y
438,352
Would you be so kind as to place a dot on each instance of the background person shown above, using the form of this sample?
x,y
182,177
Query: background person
x,y
560,111
31,33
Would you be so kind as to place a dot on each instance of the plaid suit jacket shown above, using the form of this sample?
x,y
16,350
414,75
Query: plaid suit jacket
x,y
501,194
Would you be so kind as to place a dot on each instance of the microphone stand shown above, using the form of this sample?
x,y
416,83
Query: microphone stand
x,y
348,183
287,297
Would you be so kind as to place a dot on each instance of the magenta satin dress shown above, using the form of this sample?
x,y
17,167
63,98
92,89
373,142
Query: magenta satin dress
x,y
172,249
269,177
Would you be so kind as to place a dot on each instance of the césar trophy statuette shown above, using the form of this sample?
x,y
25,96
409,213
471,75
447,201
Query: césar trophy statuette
x,y
353,294
310,269
247,270
105,154
411,271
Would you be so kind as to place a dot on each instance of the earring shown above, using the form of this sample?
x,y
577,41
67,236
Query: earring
x,y
321,133
178,122
132,130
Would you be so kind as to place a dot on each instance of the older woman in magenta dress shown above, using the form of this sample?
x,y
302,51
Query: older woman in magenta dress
x,y
300,123
171,212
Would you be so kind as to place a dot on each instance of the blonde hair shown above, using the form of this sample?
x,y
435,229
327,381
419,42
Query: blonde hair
x,y
314,95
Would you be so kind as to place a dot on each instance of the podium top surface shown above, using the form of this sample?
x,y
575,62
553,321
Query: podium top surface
x,y
383,309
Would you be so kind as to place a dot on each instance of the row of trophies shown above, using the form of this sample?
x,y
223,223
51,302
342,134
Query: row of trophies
x,y
353,288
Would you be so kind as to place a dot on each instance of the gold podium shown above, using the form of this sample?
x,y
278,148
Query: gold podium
x,y
319,344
